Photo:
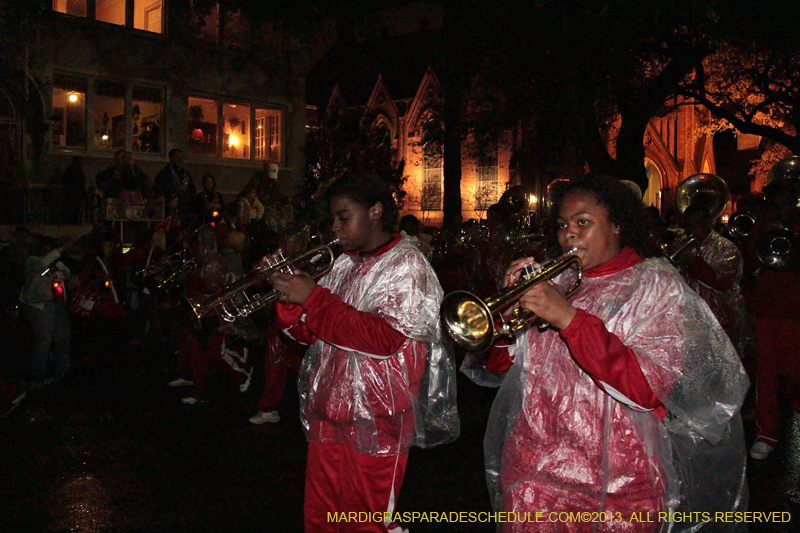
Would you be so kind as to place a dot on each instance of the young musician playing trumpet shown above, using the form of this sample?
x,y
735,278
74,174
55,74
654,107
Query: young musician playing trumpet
x,y
376,378
633,370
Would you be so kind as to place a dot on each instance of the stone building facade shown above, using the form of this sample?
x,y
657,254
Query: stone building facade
x,y
148,76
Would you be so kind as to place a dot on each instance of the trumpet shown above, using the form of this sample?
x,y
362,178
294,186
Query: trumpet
x,y
470,321
171,262
168,273
234,302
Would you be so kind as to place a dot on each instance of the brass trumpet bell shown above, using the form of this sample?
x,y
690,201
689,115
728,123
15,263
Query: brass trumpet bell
x,y
470,321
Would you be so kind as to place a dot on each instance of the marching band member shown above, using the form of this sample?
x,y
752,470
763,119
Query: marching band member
x,y
774,302
210,344
714,271
376,378
634,370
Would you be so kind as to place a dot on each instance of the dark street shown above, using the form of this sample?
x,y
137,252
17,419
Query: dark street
x,y
113,449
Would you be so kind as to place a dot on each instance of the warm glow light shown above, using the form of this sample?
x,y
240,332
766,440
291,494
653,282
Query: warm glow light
x,y
105,137
73,98
724,219
233,141
533,199
215,214
259,127
108,283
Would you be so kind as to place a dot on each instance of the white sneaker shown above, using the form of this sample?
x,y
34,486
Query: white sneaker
x,y
191,400
180,382
761,450
262,418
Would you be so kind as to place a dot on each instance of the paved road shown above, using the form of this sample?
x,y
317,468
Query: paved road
x,y
113,449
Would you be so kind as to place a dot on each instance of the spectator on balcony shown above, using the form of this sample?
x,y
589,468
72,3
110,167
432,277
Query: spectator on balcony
x,y
107,182
135,185
175,185
208,201
73,185
252,209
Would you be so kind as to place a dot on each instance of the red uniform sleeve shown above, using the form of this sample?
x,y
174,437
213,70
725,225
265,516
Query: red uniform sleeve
x,y
341,324
612,365
499,359
289,318
703,272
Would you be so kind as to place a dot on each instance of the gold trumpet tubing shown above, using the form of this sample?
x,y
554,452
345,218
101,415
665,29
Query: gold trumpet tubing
x,y
522,318
470,321
185,268
508,296
172,261
225,300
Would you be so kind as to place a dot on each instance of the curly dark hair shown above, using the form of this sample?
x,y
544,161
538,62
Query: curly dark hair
x,y
625,210
366,189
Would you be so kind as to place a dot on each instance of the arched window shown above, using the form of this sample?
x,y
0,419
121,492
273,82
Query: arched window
x,y
652,196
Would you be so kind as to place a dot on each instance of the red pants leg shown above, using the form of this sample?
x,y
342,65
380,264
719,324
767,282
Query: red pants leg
x,y
339,479
231,359
281,354
777,354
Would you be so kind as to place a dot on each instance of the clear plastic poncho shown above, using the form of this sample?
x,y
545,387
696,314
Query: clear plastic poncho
x,y
728,306
382,406
555,441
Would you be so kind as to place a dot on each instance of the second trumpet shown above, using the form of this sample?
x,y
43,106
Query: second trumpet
x,y
236,300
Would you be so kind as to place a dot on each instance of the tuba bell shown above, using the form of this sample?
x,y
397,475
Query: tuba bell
x,y
708,190
778,248
234,301
470,321
741,224
785,169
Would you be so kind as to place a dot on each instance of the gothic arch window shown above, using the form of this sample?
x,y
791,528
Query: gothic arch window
x,y
652,196
383,135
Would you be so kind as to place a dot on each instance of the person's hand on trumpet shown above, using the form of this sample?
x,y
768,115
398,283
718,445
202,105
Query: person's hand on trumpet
x,y
294,287
547,300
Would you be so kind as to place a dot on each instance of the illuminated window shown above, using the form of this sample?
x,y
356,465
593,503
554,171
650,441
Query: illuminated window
x,y
486,181
147,15
431,177
122,116
76,8
112,11
268,135
203,121
69,113
146,119
236,131
109,115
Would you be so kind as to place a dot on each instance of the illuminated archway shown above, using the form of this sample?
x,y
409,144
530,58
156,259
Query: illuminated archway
x,y
652,196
